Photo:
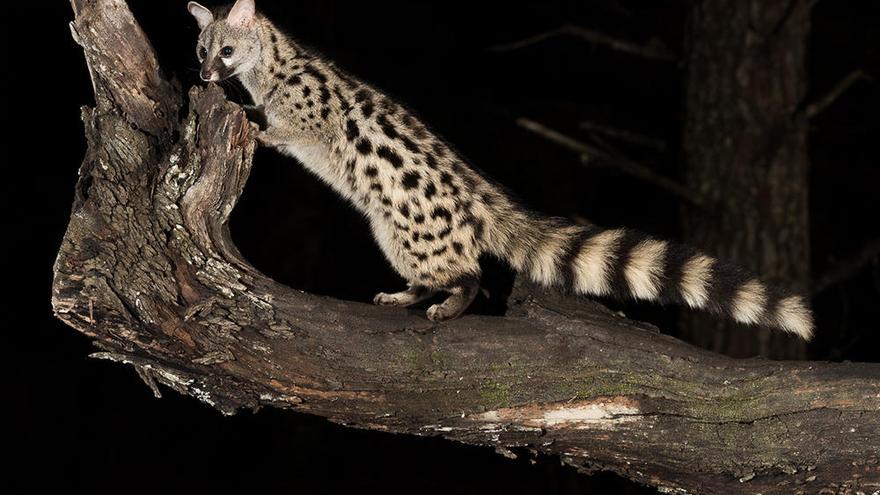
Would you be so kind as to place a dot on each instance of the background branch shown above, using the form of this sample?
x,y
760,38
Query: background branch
x,y
624,135
653,50
842,86
628,166
846,269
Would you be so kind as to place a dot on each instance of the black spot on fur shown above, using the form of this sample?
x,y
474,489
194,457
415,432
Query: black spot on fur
x,y
439,251
371,171
312,71
385,201
409,144
469,280
446,178
470,180
428,236
364,147
430,160
386,126
351,130
441,212
390,155
443,234
294,80
419,131
419,218
415,236
344,78
389,106
367,109
404,210
325,94
410,180
421,256
343,103
375,186
307,90
477,225
361,95
430,190
325,112
457,247
350,166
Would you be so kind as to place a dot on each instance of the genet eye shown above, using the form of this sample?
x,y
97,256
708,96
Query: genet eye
x,y
203,52
226,51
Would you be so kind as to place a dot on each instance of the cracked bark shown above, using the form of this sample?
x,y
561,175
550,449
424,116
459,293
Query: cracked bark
x,y
148,270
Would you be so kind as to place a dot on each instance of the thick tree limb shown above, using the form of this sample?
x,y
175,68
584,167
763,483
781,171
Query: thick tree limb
x,y
148,270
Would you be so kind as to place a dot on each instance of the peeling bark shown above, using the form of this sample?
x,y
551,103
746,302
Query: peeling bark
x,y
148,270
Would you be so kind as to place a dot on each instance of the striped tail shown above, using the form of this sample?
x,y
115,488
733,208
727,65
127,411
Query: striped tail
x,y
626,264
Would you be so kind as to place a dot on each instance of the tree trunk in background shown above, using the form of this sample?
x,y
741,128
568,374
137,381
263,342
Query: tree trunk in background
x,y
745,145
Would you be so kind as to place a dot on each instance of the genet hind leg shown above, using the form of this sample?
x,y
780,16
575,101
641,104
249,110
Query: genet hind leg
x,y
461,296
415,294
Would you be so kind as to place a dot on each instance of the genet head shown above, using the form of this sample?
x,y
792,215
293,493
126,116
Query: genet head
x,y
228,46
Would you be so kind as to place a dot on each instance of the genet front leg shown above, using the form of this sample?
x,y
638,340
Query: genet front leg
x,y
413,295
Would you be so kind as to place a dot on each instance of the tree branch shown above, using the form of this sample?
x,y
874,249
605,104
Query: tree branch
x,y
654,50
844,270
842,86
624,135
628,166
148,270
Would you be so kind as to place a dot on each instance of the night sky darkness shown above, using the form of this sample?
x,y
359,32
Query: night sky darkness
x,y
94,425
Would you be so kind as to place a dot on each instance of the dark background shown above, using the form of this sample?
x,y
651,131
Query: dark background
x,y
93,425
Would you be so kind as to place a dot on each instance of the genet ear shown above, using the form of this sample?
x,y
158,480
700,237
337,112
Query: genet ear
x,y
243,14
203,15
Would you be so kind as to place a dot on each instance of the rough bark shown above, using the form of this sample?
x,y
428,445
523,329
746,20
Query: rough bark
x,y
745,149
148,270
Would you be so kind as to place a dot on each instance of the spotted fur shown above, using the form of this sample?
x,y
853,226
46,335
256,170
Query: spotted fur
x,y
431,214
